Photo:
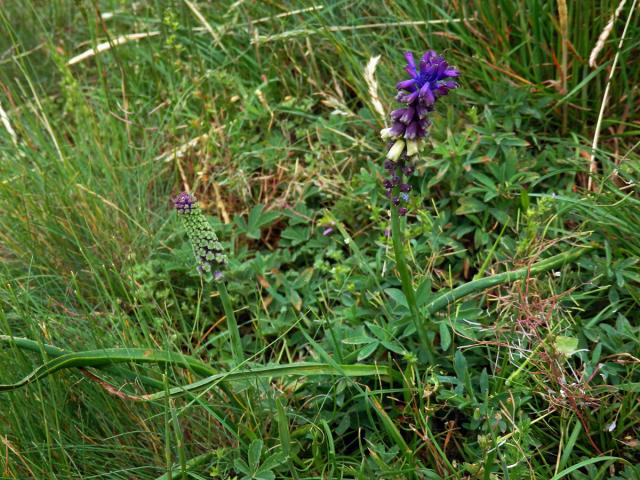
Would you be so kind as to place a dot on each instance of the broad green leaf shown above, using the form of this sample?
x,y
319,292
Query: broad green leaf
x,y
470,205
241,466
567,346
378,331
273,461
394,347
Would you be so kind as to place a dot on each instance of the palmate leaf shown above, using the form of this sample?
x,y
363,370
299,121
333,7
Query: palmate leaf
x,y
257,219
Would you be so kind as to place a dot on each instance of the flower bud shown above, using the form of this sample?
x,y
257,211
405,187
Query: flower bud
x,y
412,148
206,247
396,150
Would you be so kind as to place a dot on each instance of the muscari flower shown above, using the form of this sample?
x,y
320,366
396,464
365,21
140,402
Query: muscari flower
x,y
430,80
206,247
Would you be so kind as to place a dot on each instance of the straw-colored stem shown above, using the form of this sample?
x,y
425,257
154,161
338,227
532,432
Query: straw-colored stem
x,y
605,99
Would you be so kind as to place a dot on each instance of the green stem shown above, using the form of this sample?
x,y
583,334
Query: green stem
x,y
444,299
232,324
178,472
405,279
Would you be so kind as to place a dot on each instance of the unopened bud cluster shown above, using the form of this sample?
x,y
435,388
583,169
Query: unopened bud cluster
x,y
206,247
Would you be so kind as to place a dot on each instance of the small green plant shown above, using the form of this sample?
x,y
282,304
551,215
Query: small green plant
x,y
255,467
211,261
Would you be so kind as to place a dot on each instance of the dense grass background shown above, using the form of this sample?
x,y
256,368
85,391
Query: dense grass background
x,y
262,110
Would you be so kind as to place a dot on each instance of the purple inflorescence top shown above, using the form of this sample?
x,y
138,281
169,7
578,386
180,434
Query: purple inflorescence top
x,y
430,80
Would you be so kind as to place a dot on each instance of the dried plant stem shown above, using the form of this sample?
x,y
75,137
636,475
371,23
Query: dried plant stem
x,y
405,279
564,31
604,35
605,98
232,324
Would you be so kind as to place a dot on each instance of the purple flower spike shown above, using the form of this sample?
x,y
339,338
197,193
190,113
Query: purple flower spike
x,y
429,80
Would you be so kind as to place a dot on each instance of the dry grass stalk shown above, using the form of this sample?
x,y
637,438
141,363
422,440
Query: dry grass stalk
x,y
101,47
4,118
564,31
593,166
604,35
370,78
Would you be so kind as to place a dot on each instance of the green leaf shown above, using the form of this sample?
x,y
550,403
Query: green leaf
x,y
470,205
499,215
484,382
485,180
255,450
394,347
111,356
368,350
567,346
241,466
296,235
584,463
524,199
283,428
264,475
445,336
423,292
358,340
273,461
257,219
397,296
378,331
460,365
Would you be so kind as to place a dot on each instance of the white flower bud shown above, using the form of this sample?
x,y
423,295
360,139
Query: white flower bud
x,y
396,150
412,148
386,134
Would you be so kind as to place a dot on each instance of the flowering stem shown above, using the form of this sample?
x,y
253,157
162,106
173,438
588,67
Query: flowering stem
x,y
405,279
232,324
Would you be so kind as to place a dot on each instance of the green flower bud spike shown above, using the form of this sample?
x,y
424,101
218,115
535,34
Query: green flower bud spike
x,y
206,247
211,261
